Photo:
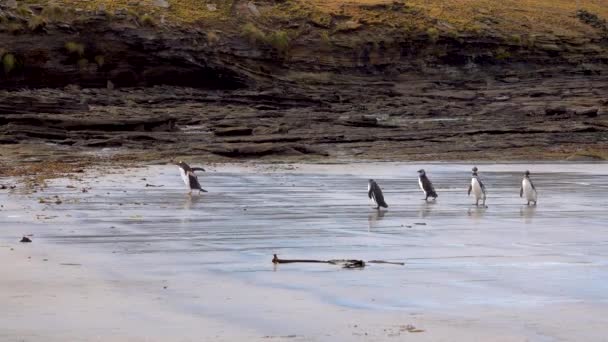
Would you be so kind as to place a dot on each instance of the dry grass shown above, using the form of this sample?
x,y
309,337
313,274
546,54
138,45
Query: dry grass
x,y
186,11
511,17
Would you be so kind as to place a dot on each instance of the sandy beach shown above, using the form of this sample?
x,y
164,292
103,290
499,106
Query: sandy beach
x,y
133,258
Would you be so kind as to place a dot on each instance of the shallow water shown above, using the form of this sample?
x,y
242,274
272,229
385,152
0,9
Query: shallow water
x,y
457,256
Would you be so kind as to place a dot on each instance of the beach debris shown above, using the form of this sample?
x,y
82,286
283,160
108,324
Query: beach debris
x,y
153,186
55,199
413,329
345,263
25,239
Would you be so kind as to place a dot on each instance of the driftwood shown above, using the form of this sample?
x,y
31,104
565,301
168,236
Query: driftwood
x,y
346,263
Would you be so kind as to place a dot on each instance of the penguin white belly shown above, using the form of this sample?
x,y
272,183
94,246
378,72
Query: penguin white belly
x,y
476,187
421,187
529,191
184,177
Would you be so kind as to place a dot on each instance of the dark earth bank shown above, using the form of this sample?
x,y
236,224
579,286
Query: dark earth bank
x,y
167,91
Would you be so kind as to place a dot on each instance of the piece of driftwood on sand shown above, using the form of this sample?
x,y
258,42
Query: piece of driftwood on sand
x,y
346,263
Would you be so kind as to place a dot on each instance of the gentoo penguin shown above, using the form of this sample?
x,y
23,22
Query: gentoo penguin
x,y
374,192
479,190
528,189
426,185
189,177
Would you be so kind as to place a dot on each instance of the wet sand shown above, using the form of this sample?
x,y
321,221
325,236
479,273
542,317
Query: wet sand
x,y
126,261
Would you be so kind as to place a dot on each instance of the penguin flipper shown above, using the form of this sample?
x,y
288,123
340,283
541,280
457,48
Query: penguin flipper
x,y
483,187
470,188
521,191
428,187
194,184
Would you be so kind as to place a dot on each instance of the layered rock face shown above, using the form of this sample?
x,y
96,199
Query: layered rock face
x,y
368,91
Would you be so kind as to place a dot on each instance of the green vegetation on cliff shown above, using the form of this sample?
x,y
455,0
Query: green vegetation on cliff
x,y
509,17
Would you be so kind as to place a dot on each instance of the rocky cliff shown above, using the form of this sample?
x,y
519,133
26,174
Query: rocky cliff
x,y
364,79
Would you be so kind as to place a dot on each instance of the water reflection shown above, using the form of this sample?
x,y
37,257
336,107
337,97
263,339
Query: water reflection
x,y
527,212
425,209
190,201
374,217
476,213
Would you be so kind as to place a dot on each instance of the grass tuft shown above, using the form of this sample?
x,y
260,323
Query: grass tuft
x,y
433,34
279,40
24,11
9,62
53,12
502,54
100,60
14,28
74,48
36,23
254,34
325,39
147,20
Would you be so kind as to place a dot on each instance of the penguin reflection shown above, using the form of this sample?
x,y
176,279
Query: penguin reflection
x,y
190,201
527,213
425,209
374,217
476,213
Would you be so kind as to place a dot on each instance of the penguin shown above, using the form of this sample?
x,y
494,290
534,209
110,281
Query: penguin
x,y
528,189
479,190
190,179
375,193
426,185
